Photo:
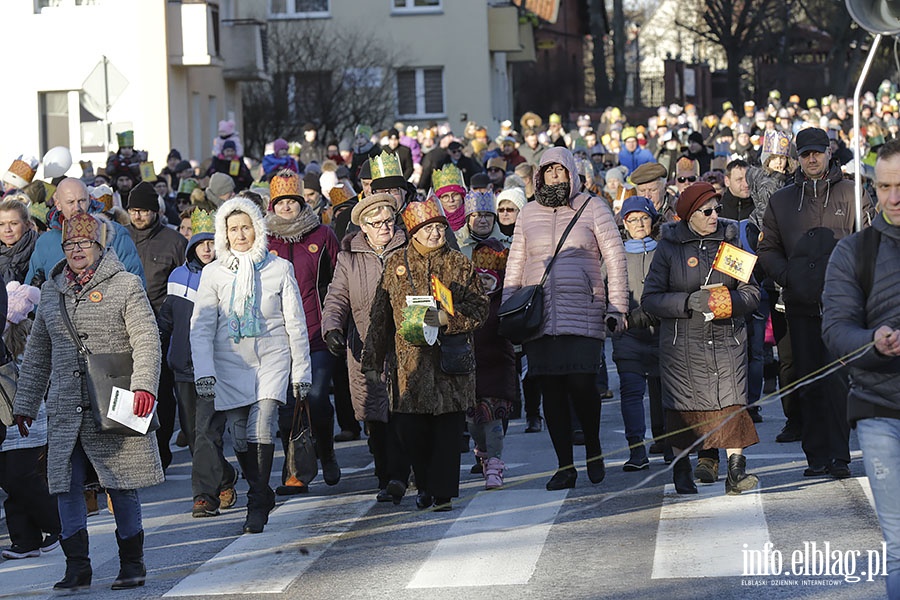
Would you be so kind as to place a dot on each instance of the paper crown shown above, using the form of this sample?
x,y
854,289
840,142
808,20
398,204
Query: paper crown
x,y
21,171
294,148
84,226
413,328
126,139
485,257
685,164
39,211
364,130
418,214
385,165
202,222
480,202
339,194
448,179
187,186
555,118
285,184
777,143
720,302
104,194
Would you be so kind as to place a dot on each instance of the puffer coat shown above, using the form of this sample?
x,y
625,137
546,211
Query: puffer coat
x,y
575,301
112,314
636,350
423,387
703,364
347,307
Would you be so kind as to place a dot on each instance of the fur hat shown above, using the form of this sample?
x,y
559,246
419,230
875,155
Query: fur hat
x,y
239,204
370,202
515,195
418,214
693,197
144,196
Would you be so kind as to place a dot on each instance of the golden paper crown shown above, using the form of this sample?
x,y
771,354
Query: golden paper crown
x,y
286,185
485,257
446,177
339,194
385,165
21,172
202,222
418,214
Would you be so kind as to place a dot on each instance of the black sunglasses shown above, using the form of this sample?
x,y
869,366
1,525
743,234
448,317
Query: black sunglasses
x,y
692,179
708,211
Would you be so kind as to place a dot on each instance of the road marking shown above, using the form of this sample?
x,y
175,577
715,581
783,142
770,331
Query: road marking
x,y
268,562
867,490
706,525
475,551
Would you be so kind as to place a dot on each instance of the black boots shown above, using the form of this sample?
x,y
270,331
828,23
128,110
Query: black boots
x,y
331,472
637,461
132,572
738,480
257,465
563,479
682,476
78,563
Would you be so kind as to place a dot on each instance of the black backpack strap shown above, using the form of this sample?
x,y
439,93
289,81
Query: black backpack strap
x,y
866,255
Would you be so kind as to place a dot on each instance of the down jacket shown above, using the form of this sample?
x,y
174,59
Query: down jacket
x,y
423,387
801,226
575,301
112,314
636,350
703,364
347,308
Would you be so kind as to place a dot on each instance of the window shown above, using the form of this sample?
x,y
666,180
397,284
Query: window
x,y
420,92
299,9
40,5
54,115
415,6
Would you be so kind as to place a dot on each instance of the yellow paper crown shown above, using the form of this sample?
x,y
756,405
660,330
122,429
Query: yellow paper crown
x,y
449,175
386,165
125,138
202,222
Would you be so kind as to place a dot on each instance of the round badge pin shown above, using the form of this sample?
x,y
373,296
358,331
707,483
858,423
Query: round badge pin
x,y
95,296
401,271
313,248
273,252
693,262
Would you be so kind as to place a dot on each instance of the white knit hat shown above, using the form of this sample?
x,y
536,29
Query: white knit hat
x,y
515,195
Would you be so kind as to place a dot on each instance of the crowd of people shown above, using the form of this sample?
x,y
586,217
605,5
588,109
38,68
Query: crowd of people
x,y
378,270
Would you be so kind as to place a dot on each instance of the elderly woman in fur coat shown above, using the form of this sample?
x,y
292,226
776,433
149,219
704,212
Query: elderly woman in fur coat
x,y
429,409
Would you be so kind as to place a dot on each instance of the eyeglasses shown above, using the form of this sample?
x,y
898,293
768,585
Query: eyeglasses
x,y
140,212
83,244
691,179
380,224
709,211
507,209
481,215
492,169
638,220
433,227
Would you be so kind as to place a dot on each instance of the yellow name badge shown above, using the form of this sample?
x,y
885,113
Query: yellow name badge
x,y
234,168
442,294
735,262
148,173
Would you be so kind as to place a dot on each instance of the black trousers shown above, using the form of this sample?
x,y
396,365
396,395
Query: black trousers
x,y
826,431
391,462
343,404
431,442
30,509
204,427
790,402
165,410
557,391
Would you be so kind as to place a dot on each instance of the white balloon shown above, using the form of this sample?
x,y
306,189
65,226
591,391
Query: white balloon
x,y
57,161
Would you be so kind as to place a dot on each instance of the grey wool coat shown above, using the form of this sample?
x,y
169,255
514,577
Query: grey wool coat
x,y
112,314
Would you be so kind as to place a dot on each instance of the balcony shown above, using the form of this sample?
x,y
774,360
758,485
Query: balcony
x,y
244,50
193,33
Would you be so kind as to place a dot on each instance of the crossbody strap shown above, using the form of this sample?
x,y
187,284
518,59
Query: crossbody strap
x,y
562,240
70,326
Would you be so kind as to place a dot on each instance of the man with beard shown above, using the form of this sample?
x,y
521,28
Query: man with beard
x,y
736,201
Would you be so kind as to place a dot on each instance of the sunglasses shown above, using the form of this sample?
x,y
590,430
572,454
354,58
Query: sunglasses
x,y
709,211
507,209
691,179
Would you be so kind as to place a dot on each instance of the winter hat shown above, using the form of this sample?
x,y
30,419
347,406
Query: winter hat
x,y
226,128
616,174
370,202
220,184
480,202
514,195
648,172
21,171
85,226
311,181
143,196
229,144
696,136
173,153
638,204
479,180
418,214
327,180
693,197
285,184
103,193
279,144
448,179
22,299
56,162
182,166
365,171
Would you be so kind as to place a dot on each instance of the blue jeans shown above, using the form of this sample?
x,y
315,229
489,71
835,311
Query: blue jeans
x,y
756,351
320,409
631,391
879,439
73,513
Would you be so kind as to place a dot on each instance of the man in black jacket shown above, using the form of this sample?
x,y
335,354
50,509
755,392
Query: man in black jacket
x,y
736,201
161,250
801,226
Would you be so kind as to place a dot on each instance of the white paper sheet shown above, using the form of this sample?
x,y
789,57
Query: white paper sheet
x,y
121,410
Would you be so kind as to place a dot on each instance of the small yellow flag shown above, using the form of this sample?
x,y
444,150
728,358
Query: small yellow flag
x,y
442,294
733,261
148,173
234,168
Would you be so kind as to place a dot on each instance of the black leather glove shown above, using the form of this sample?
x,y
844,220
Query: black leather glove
x,y
336,342
638,319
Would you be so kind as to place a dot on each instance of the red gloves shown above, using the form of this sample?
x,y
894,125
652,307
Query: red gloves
x,y
143,403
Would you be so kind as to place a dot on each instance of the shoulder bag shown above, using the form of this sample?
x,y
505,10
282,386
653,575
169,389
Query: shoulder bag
x,y
522,313
101,373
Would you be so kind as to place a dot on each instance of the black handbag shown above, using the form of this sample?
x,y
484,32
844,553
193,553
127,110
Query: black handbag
x,y
300,464
521,314
9,376
101,373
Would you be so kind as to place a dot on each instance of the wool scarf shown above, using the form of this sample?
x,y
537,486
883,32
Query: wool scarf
x,y
641,246
457,218
243,312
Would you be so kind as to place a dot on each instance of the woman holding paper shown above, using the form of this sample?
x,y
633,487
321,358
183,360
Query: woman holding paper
x,y
702,345
110,311
429,408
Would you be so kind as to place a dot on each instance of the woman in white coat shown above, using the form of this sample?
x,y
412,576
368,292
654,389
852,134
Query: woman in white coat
x,y
248,337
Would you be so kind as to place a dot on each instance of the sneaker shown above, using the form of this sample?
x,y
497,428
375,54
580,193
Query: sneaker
x,y
493,473
15,551
227,498
50,543
202,508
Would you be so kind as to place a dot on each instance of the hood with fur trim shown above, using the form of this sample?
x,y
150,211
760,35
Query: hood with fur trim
x,y
260,243
564,157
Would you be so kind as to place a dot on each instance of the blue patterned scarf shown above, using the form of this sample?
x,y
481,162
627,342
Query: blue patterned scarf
x,y
243,310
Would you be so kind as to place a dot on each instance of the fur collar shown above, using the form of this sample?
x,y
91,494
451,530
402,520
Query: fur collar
x,y
248,207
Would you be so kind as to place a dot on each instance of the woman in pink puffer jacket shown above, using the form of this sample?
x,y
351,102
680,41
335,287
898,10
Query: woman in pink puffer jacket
x,y
567,353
